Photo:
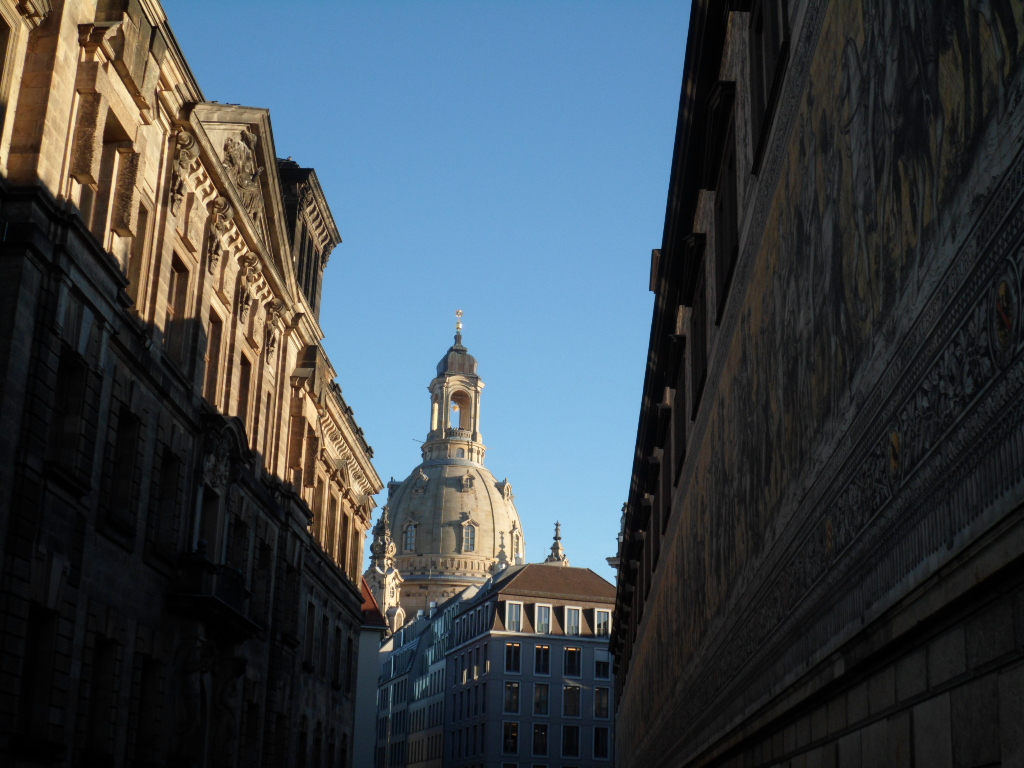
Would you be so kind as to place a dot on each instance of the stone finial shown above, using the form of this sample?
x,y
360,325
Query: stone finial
x,y
557,556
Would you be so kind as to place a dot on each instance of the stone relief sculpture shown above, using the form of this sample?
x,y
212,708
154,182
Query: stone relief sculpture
x,y
419,485
250,274
221,214
241,164
275,319
185,153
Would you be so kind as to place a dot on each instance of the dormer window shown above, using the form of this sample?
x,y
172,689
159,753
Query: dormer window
x,y
468,538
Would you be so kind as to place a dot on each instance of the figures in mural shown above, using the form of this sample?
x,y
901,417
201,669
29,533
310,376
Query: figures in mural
x,y
856,239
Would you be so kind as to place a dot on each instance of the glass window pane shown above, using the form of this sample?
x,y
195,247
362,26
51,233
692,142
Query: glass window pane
x,y
512,698
540,699
571,700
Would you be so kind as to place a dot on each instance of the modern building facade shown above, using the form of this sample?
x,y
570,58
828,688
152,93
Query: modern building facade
x,y
451,519
184,492
371,636
821,562
529,671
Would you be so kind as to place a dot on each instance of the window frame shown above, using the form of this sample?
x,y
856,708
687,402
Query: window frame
x,y
536,652
597,622
565,729
511,685
565,658
505,724
547,700
579,623
509,604
536,618
533,741
519,654
566,687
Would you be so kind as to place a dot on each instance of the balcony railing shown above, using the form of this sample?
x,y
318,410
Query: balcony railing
x,y
458,433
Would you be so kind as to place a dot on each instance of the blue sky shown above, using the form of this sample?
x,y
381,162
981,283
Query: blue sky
x,y
509,159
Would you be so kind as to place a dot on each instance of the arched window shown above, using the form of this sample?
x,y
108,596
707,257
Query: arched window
x,y
410,538
461,453
460,410
468,538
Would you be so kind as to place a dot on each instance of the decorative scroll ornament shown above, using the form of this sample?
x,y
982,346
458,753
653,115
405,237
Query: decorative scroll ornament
x,y
185,153
221,214
240,164
275,320
247,289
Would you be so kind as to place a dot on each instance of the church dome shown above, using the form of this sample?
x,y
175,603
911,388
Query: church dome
x,y
453,515
454,523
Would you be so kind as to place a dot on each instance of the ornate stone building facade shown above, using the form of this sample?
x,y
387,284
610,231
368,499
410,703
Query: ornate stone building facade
x,y
184,493
821,562
453,522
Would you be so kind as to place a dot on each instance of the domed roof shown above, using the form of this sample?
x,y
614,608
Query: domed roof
x,y
440,498
457,359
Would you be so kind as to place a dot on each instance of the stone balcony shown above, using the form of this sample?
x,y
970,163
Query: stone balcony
x,y
214,592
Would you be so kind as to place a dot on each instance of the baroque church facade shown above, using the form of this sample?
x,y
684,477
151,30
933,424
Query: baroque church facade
x,y
184,492
451,523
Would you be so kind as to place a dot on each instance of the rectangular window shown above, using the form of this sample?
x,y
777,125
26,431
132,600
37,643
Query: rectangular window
x,y
174,322
601,698
512,657
543,622
572,662
67,417
540,739
510,738
571,700
126,451
307,650
511,698
570,741
542,660
602,665
540,698
325,635
137,254
514,617
244,380
213,345
601,751
602,623
572,621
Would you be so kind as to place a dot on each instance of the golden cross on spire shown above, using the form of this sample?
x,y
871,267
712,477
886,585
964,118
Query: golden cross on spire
x,y
458,321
